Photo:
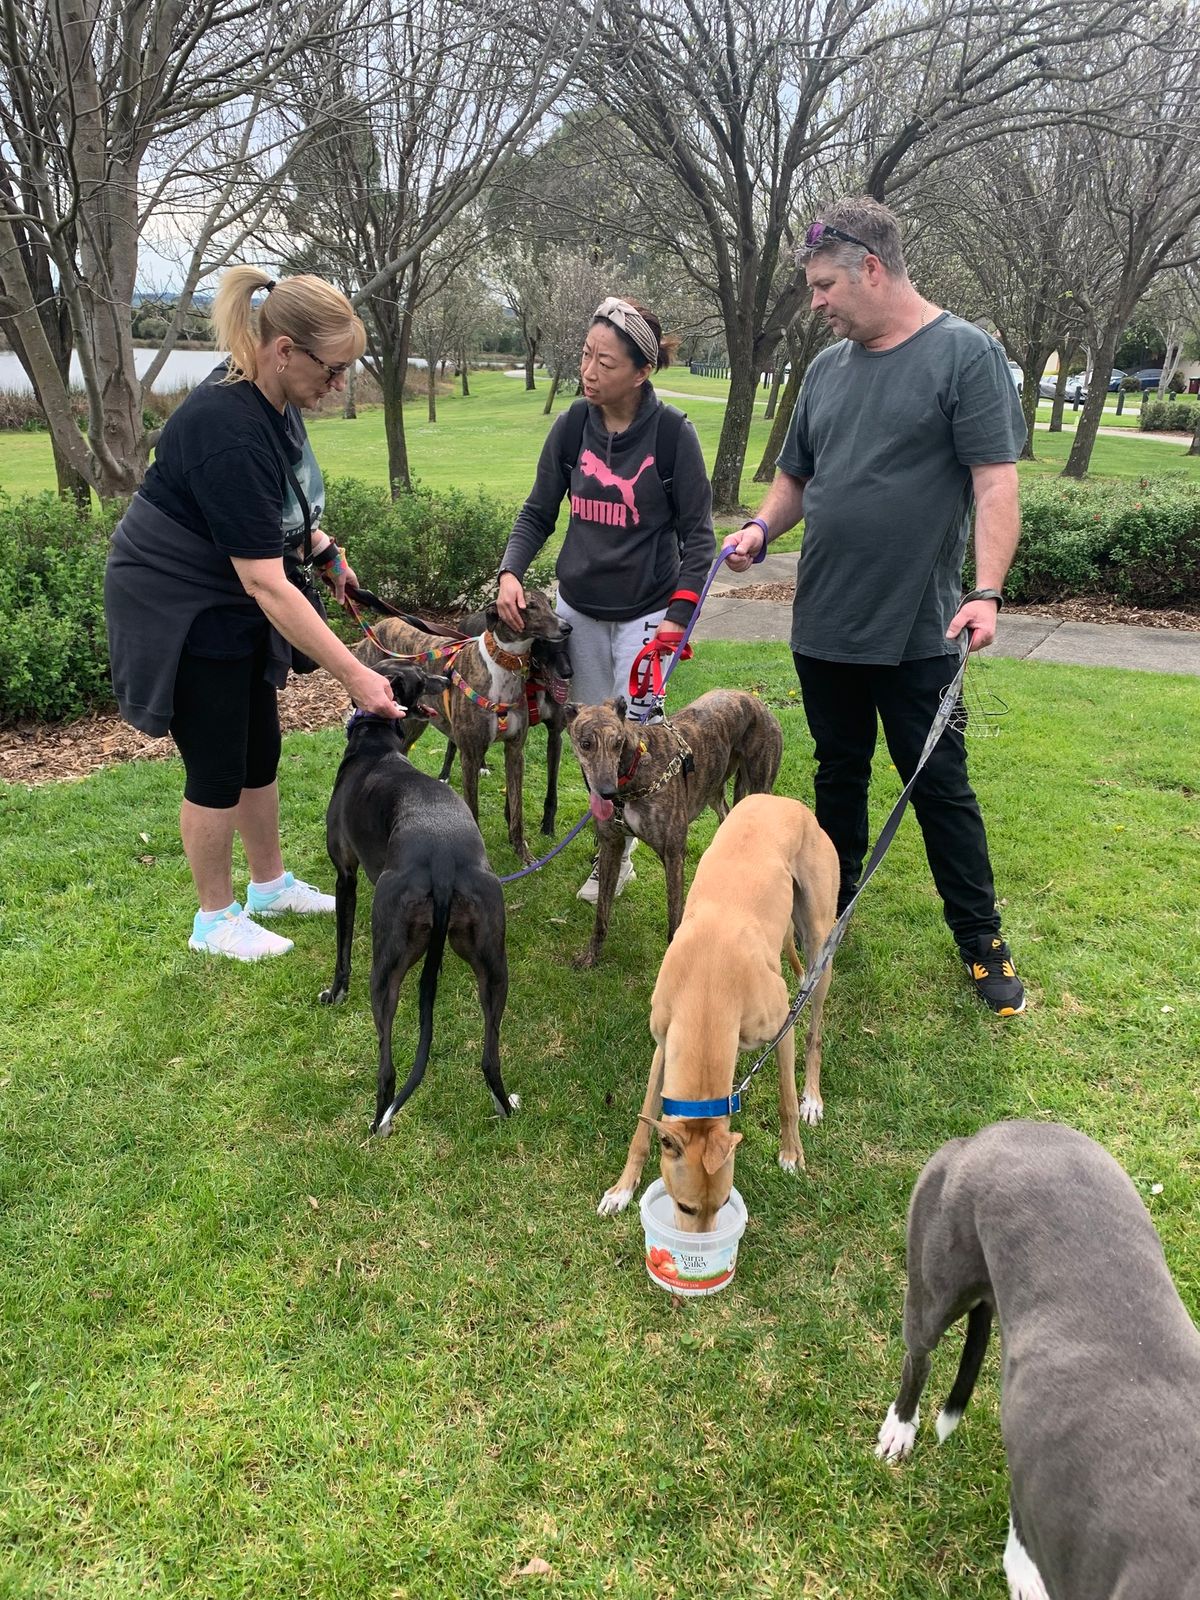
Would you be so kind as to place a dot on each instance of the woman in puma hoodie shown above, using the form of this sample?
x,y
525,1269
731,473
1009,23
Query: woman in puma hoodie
x,y
637,547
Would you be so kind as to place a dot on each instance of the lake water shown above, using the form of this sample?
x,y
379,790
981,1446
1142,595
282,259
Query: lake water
x,y
183,369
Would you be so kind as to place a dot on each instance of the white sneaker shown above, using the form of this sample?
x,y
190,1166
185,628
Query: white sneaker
x,y
295,896
590,889
235,935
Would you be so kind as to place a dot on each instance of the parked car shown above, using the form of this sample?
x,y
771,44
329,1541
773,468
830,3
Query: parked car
x,y
1048,387
1149,377
1114,382
1017,376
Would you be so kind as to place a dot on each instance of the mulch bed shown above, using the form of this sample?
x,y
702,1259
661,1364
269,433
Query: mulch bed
x,y
38,752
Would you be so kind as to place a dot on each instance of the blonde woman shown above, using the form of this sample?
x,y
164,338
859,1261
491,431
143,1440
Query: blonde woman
x,y
202,618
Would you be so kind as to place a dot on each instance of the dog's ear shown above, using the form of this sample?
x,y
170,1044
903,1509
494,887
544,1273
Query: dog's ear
x,y
673,1135
620,706
570,711
718,1148
491,617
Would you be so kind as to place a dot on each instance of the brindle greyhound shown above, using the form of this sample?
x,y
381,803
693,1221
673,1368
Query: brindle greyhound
x,y
550,674
420,847
654,779
494,668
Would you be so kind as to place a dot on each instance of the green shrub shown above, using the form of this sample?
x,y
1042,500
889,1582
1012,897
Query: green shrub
x,y
1168,416
1139,541
1131,385
53,649
426,551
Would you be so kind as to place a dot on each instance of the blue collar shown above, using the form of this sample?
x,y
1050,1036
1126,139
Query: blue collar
x,y
702,1108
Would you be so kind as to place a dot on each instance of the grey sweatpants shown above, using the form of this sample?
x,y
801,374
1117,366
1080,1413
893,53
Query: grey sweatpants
x,y
603,652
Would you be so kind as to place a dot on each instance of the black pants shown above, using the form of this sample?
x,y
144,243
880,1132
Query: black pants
x,y
841,702
226,724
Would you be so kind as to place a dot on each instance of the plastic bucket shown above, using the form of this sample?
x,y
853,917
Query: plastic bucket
x,y
690,1263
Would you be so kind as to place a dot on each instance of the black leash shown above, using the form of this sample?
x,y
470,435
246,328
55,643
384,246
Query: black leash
x,y
364,597
945,711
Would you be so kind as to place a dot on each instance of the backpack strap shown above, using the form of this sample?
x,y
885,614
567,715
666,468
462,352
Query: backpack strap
x,y
572,437
670,426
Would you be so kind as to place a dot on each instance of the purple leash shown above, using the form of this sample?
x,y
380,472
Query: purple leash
x,y
722,556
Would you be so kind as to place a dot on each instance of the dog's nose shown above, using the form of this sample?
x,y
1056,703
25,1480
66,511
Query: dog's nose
x,y
607,794
564,628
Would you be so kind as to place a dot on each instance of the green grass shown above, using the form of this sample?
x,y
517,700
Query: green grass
x,y
247,1352
493,439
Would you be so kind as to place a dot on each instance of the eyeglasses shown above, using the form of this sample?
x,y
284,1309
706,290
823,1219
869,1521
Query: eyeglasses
x,y
818,232
331,373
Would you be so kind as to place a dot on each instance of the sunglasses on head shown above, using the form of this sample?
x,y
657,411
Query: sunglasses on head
x,y
331,373
819,232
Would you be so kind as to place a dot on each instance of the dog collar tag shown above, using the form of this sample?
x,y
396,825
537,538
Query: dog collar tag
x,y
702,1108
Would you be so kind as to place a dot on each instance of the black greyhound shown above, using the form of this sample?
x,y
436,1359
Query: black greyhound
x,y
419,845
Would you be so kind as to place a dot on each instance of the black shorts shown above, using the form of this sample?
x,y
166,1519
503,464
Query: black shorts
x,y
226,724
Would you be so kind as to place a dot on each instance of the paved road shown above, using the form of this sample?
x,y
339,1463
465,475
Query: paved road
x,y
1026,638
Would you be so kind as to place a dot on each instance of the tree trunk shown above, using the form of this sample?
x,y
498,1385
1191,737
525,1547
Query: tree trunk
x,y
555,380
735,430
1093,410
531,346
462,367
1036,357
1066,357
779,428
1194,449
350,404
773,397
431,390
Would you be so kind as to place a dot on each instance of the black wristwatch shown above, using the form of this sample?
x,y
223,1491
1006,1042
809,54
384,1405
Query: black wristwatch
x,y
986,594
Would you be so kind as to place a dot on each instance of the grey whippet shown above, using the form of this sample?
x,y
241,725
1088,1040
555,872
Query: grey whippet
x,y
1100,1396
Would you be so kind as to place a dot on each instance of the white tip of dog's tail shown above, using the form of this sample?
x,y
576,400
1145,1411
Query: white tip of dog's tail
x,y
946,1423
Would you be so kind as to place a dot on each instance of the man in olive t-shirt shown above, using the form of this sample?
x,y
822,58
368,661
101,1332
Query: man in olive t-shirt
x,y
900,427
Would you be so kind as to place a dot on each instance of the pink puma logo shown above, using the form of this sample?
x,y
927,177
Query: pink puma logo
x,y
591,464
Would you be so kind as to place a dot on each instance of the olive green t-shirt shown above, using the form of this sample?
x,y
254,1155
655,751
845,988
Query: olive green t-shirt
x,y
887,440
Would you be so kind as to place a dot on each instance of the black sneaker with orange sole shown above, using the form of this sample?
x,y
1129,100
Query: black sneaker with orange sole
x,y
990,967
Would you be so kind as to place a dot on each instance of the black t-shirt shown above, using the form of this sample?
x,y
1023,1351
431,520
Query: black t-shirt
x,y
218,470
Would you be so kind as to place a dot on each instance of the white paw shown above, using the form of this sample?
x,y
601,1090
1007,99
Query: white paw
x,y
612,1201
790,1164
1024,1579
514,1102
812,1109
385,1124
896,1437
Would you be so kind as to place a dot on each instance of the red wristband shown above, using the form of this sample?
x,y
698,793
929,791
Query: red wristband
x,y
685,594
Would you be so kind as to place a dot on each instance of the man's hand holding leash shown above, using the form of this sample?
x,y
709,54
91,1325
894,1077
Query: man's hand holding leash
x,y
510,601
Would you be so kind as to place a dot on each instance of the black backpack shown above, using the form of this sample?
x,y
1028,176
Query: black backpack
x,y
666,441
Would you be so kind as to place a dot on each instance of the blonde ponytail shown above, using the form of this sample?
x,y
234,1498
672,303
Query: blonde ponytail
x,y
305,308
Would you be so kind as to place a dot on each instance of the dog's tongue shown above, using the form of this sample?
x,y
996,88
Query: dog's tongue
x,y
600,808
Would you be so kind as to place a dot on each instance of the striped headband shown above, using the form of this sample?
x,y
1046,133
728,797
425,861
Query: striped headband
x,y
630,320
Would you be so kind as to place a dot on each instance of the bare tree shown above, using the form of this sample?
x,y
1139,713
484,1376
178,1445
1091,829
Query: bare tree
x,y
441,95
1143,193
731,101
575,285
113,116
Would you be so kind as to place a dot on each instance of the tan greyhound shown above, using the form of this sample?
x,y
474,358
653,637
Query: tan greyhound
x,y
770,871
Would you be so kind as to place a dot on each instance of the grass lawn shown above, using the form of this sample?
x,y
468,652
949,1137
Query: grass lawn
x,y
248,1352
493,439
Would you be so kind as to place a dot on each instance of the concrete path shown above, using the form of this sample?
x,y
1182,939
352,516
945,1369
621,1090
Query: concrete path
x,y
1025,638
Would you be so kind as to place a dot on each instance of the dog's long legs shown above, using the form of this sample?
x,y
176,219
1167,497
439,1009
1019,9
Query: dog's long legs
x,y
514,782
346,895
791,1151
611,844
470,762
673,866
481,946
553,757
448,762
620,1194
899,1428
814,911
